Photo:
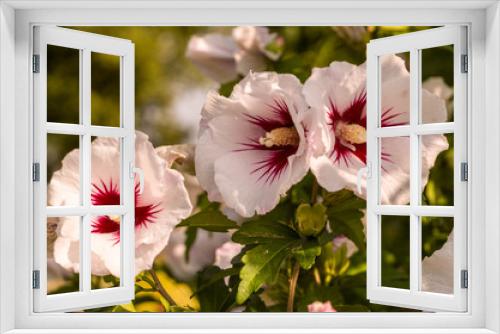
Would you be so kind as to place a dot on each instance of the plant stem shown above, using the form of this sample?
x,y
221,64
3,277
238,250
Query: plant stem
x,y
161,289
293,286
314,191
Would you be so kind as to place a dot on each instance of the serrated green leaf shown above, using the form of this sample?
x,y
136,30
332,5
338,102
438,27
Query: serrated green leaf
x,y
258,232
306,254
210,219
261,264
344,215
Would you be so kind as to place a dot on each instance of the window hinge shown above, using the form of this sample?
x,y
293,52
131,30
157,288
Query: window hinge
x,y
464,280
464,171
36,63
36,279
36,172
465,64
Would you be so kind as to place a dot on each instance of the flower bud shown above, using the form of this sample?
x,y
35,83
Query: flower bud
x,y
310,220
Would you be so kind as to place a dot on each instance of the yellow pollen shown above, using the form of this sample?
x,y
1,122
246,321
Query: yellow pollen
x,y
352,133
280,137
115,218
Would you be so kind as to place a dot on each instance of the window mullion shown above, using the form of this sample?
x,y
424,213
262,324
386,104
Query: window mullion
x,y
415,244
85,161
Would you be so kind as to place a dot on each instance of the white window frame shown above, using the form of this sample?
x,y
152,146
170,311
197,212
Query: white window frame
x,y
86,44
414,43
16,20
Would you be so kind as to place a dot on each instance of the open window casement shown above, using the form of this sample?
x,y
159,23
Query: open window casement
x,y
416,132
75,213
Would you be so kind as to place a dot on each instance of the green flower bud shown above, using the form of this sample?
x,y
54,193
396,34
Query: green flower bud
x,y
310,221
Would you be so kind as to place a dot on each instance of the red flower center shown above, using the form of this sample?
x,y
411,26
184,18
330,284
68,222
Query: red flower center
x,y
274,157
354,114
109,194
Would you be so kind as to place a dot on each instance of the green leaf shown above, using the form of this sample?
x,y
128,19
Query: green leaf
x,y
344,214
191,233
258,232
210,219
306,254
212,300
261,264
214,278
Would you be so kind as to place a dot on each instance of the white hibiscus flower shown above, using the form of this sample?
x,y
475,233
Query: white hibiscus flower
x,y
201,254
162,205
222,58
338,92
254,145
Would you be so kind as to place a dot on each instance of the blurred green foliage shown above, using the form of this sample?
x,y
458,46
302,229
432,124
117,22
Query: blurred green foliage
x,y
162,71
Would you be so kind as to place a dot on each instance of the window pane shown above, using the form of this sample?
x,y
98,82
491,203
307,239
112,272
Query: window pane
x,y
395,170
106,250
63,170
395,251
105,89
437,84
394,90
63,254
105,173
436,152
437,254
63,81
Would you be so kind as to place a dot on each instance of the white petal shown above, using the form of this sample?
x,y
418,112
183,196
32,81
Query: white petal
x,y
437,270
433,108
241,187
201,254
213,54
249,61
438,87
67,254
64,186
339,83
395,186
225,253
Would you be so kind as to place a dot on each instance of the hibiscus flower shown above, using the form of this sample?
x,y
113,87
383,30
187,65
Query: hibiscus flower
x,y
338,93
222,58
254,145
162,205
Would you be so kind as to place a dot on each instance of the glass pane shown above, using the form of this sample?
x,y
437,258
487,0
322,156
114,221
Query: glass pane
x,y
436,152
105,174
395,170
395,89
437,254
106,251
63,81
395,251
63,254
437,84
105,89
63,170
